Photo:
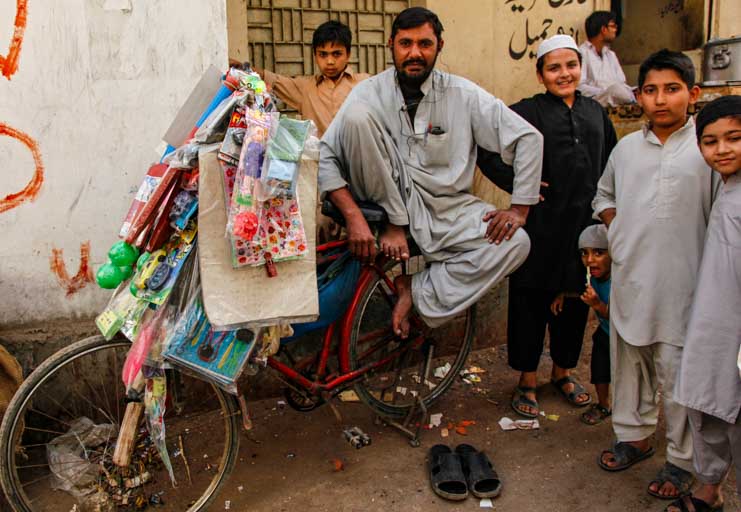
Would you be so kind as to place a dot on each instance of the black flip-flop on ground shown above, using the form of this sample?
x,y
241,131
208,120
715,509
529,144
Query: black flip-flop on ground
x,y
625,455
681,480
519,399
571,397
482,478
446,474
689,503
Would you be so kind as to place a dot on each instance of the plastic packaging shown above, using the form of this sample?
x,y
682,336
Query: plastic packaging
x,y
152,331
155,399
214,126
121,307
280,168
68,456
184,157
219,357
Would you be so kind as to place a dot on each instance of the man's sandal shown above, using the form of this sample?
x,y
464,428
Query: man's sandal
x,y
483,480
446,474
595,415
572,396
625,456
689,503
519,400
681,480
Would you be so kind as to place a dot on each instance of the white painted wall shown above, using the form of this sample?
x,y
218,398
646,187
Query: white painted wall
x,y
96,87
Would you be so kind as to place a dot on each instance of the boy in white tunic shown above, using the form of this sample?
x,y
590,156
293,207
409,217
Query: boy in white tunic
x,y
655,197
709,383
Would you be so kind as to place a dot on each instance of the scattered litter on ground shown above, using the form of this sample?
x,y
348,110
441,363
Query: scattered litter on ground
x,y
240,488
349,396
552,417
444,432
508,424
227,505
442,371
436,419
337,465
493,402
401,390
429,384
486,503
290,455
475,369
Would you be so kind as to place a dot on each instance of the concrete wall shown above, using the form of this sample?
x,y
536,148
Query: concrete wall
x,y
97,83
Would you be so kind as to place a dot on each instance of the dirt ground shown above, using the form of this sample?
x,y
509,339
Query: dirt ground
x,y
286,462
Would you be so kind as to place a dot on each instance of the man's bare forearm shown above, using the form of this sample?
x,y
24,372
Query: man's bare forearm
x,y
343,200
607,215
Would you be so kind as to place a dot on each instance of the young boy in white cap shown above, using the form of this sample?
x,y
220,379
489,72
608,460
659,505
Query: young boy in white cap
x,y
708,383
596,259
578,138
655,198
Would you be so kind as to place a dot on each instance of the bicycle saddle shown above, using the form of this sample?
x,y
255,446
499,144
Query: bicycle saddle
x,y
373,213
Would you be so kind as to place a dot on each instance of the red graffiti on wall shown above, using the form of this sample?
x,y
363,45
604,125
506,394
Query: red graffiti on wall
x,y
31,190
84,273
9,62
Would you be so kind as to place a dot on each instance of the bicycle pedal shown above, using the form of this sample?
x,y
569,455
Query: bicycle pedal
x,y
356,437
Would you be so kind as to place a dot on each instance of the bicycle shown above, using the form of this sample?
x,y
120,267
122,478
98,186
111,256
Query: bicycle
x,y
393,377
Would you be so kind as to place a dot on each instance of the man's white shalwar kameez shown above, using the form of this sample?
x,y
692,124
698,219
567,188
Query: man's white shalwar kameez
x,y
422,175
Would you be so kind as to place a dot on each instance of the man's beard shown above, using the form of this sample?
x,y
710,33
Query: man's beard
x,y
416,80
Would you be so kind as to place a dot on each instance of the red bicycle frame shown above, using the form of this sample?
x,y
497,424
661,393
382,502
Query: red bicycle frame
x,y
344,325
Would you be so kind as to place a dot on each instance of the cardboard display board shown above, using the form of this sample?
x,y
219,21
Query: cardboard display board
x,y
247,297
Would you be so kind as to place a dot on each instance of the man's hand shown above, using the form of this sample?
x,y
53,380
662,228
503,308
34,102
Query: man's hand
x,y
504,223
360,238
361,242
591,298
607,216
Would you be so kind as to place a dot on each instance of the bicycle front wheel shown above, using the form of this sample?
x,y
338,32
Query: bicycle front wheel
x,y
398,371
60,430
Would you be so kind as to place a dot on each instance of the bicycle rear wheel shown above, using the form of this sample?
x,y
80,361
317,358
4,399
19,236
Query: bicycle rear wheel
x,y
84,381
406,369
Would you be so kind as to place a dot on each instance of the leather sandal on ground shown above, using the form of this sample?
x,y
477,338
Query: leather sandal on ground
x,y
519,399
446,474
625,456
572,396
681,480
482,478
689,503
595,415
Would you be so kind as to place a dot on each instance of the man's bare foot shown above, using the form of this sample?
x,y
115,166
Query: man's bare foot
x,y
400,315
393,242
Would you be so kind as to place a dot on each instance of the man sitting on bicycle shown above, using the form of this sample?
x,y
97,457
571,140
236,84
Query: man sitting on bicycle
x,y
406,139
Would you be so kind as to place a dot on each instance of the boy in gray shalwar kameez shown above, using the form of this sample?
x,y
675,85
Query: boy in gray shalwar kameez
x,y
708,382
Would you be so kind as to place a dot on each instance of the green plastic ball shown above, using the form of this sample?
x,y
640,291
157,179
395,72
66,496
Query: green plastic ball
x,y
127,272
109,276
122,254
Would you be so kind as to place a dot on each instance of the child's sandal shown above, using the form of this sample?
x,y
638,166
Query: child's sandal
x,y
596,415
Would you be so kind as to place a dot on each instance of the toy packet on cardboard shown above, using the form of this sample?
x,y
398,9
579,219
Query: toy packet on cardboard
x,y
220,357
156,277
147,187
232,145
122,309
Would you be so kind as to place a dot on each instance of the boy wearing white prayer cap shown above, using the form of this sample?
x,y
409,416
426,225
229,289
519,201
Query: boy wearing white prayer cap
x,y
578,138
